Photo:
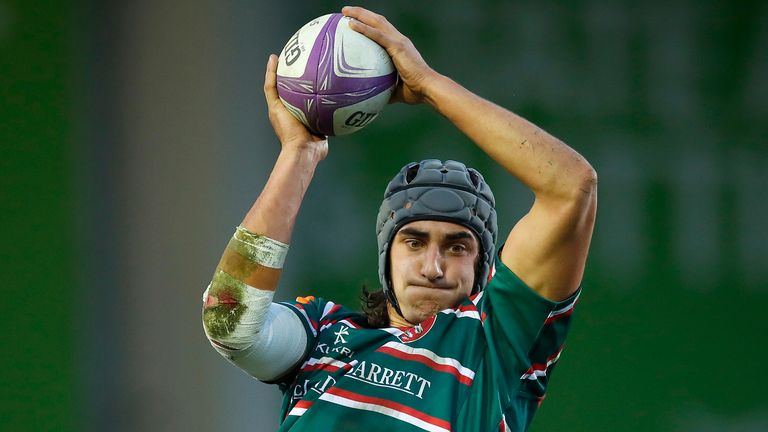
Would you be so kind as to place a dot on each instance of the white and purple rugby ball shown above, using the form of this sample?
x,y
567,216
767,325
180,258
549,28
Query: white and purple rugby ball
x,y
332,78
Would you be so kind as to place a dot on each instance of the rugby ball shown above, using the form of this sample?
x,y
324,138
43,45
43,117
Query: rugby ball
x,y
332,78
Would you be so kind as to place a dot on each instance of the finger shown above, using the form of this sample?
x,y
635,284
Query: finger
x,y
270,80
369,18
372,33
364,15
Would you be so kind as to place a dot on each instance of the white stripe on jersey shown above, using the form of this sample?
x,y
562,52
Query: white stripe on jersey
x,y
541,372
306,319
327,309
349,403
534,375
566,308
324,361
477,297
462,314
300,408
346,322
297,411
349,323
423,352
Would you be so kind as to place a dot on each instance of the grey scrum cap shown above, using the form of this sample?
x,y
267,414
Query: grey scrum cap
x,y
443,191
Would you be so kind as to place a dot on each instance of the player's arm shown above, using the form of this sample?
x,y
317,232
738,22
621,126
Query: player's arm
x,y
548,247
238,314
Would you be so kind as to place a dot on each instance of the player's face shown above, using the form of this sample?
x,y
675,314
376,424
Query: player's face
x,y
432,267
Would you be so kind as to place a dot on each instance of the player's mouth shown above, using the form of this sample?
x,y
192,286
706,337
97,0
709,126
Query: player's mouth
x,y
430,286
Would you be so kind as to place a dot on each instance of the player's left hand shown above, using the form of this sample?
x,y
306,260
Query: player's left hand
x,y
293,135
414,72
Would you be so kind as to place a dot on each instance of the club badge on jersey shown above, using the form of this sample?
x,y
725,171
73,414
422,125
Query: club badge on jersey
x,y
418,331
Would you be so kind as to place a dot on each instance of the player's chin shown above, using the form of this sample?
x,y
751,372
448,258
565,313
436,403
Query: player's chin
x,y
424,309
418,316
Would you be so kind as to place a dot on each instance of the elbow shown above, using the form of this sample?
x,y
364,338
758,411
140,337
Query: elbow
x,y
588,181
570,194
220,320
568,179
585,191
580,199
580,187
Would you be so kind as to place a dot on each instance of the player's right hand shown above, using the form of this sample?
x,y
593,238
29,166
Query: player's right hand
x,y
293,135
415,73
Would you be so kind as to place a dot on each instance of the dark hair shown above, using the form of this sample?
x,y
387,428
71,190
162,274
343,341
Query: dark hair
x,y
375,307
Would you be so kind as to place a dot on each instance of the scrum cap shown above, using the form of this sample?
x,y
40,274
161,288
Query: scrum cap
x,y
443,191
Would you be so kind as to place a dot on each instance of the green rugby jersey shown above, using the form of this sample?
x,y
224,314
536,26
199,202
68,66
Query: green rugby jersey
x,y
482,366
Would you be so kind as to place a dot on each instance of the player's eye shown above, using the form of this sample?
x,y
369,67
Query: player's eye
x,y
457,249
413,243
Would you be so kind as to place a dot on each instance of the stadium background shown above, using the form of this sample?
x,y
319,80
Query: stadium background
x,y
133,137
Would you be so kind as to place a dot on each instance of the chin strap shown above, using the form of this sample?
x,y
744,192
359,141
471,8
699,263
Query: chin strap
x,y
390,293
392,300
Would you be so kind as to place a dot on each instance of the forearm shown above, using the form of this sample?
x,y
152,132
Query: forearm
x,y
274,212
543,163
239,317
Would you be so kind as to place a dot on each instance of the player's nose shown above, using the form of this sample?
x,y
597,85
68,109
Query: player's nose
x,y
432,263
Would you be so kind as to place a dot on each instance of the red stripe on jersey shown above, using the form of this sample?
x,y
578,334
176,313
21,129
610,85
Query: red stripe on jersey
x,y
326,363
391,405
320,366
475,298
428,362
543,366
563,312
303,404
349,323
327,323
333,310
556,317
299,409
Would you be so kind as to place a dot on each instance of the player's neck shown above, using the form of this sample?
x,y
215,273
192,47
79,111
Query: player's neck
x,y
397,320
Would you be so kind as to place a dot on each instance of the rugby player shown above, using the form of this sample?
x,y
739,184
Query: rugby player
x,y
463,335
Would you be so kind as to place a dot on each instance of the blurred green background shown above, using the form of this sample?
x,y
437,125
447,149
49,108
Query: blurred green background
x,y
133,138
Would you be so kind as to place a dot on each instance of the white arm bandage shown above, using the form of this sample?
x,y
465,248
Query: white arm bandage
x,y
270,352
234,312
242,323
276,349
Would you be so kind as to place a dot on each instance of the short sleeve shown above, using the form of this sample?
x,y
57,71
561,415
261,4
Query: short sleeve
x,y
525,331
317,314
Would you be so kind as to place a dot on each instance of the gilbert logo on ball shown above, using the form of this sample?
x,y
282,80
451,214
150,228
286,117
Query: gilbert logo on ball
x,y
332,78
